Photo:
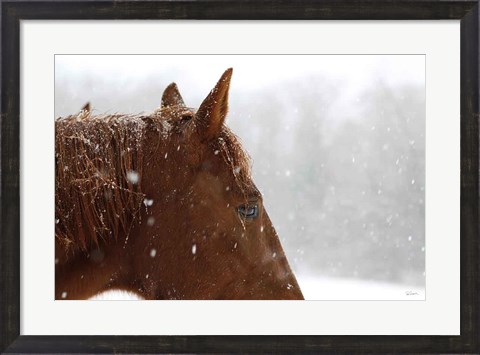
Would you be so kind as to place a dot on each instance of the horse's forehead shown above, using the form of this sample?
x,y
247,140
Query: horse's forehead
x,y
234,159
174,112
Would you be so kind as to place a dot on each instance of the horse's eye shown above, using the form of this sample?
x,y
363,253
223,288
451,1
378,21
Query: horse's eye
x,y
248,211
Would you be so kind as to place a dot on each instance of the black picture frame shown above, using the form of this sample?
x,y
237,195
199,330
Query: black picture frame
x,y
12,12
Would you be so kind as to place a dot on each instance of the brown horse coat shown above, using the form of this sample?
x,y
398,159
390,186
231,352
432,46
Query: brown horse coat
x,y
163,205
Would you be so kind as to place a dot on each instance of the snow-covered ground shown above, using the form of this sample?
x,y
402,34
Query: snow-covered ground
x,y
338,289
327,289
116,296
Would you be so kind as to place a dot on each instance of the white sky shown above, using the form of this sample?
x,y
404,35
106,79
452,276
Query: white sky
x,y
271,68
196,74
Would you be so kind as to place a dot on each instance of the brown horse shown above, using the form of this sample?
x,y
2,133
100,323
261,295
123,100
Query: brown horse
x,y
163,205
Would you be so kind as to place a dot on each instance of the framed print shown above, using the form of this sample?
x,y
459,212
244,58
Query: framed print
x,y
395,267
259,179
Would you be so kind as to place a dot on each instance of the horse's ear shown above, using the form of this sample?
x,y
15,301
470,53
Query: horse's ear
x,y
171,96
213,110
84,112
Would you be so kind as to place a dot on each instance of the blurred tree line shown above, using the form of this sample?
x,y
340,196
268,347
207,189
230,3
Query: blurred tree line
x,y
344,187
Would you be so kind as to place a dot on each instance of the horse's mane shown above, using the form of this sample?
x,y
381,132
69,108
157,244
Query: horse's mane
x,y
98,173
97,177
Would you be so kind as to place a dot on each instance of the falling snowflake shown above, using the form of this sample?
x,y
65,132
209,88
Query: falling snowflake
x,y
150,221
133,177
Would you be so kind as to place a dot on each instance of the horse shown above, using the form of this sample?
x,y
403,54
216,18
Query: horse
x,y
163,205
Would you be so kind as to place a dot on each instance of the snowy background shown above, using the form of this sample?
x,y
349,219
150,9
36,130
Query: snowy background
x,y
338,149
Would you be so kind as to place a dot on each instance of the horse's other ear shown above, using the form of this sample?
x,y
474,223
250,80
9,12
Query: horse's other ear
x,y
171,96
84,112
213,110
86,107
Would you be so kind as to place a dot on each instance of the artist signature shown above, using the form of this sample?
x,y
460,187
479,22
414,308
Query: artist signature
x,y
411,293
